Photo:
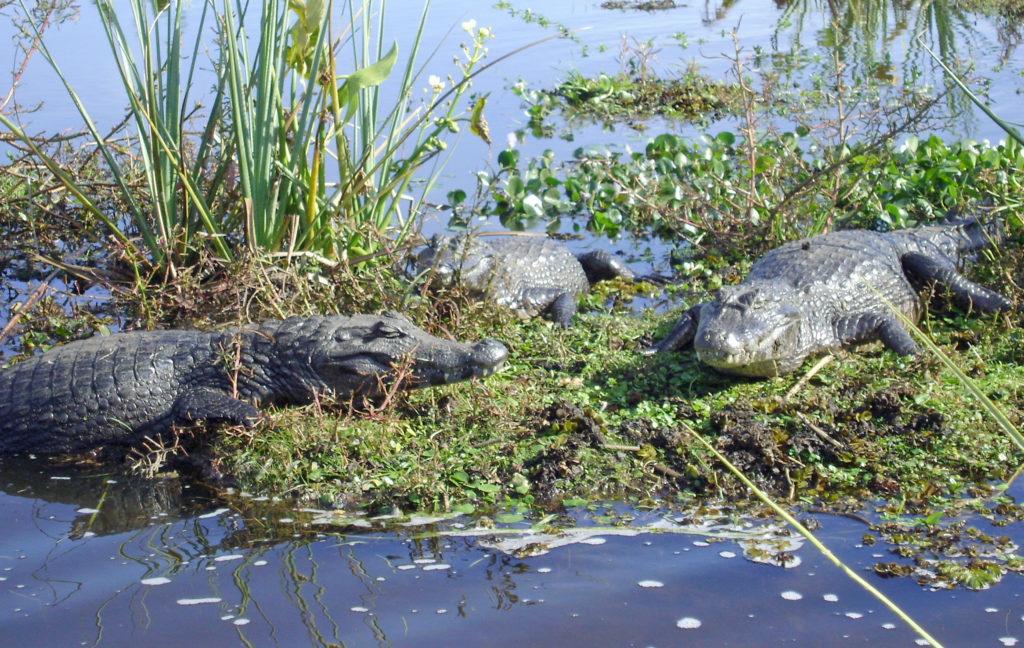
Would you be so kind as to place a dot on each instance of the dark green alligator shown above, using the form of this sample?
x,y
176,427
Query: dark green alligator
x,y
830,291
529,274
117,389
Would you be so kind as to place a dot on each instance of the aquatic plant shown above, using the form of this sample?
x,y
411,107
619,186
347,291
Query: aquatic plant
x,y
290,153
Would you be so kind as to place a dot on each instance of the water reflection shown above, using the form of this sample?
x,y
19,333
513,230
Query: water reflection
x,y
165,563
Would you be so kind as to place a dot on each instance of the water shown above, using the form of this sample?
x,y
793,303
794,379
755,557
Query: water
x,y
97,559
163,563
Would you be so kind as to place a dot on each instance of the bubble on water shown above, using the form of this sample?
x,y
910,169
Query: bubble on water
x,y
889,626
790,595
359,608
442,611
991,610
227,617
404,567
688,623
1008,641
286,520
436,566
157,580
831,598
85,510
425,561
199,601
593,541
543,570
651,583
701,543
241,621
727,554
921,642
854,615
228,557
260,563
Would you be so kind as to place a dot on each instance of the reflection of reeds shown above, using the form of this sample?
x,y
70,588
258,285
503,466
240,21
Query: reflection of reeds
x,y
866,32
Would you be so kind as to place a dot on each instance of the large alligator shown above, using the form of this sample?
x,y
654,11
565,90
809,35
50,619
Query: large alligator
x,y
115,390
830,291
528,274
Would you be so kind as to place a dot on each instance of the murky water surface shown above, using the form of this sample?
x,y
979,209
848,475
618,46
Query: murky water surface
x,y
96,559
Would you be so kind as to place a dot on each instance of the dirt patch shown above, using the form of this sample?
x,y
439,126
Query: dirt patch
x,y
551,470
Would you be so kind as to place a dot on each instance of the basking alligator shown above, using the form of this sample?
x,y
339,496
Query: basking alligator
x,y
527,274
120,388
829,291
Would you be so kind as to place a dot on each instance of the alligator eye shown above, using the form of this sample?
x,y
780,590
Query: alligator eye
x,y
386,331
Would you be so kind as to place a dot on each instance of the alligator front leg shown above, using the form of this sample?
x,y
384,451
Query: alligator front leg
x,y
563,309
211,405
681,334
867,327
967,294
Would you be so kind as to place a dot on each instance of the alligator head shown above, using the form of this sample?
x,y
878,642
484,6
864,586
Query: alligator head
x,y
366,353
468,260
752,329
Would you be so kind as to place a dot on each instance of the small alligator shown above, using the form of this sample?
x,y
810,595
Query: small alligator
x,y
120,388
829,291
527,274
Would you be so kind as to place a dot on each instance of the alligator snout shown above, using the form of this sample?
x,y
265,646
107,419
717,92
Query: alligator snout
x,y
488,356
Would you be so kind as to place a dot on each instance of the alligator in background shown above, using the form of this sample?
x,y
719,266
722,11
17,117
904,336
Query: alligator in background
x,y
528,274
115,390
829,291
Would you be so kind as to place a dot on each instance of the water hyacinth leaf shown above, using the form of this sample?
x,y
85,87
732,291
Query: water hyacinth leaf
x,y
367,77
533,206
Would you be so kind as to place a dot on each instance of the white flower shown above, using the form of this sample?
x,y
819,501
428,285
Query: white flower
x,y
435,83
469,26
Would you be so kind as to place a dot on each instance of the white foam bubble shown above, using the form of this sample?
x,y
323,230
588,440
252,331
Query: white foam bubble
x,y
651,583
688,623
790,595
199,601
157,580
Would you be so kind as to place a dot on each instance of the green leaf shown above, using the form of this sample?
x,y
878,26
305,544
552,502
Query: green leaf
x,y
367,77
533,206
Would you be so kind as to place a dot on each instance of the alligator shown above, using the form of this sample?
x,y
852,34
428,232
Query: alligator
x,y
529,274
831,291
116,390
